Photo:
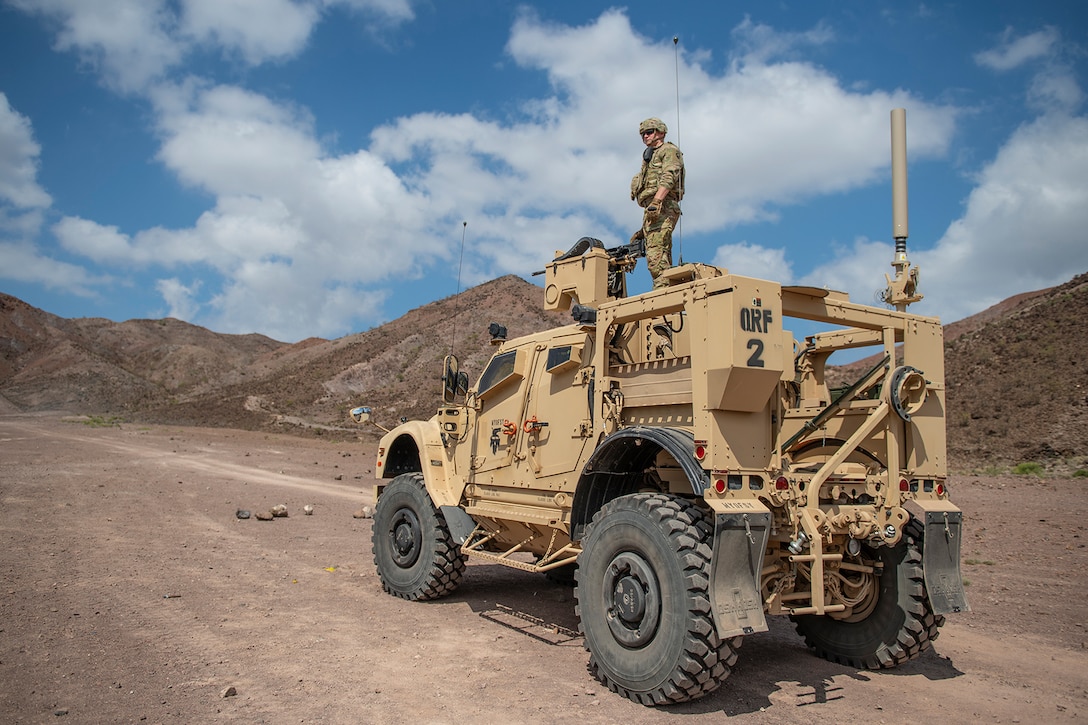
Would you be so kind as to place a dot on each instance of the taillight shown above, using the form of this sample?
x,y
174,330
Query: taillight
x,y
719,485
781,484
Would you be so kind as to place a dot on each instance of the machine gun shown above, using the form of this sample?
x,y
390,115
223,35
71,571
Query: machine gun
x,y
621,260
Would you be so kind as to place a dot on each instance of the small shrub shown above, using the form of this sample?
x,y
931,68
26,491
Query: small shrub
x,y
1028,468
99,421
1081,473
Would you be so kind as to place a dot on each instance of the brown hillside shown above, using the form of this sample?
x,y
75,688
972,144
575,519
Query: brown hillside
x,y
171,371
1018,383
395,368
92,365
1016,373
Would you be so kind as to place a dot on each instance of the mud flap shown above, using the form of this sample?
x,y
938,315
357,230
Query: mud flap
x,y
461,525
740,540
942,533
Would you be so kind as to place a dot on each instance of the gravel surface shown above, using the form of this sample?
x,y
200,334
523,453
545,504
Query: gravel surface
x,y
132,592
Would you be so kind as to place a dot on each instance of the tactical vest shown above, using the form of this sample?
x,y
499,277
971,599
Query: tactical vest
x,y
665,163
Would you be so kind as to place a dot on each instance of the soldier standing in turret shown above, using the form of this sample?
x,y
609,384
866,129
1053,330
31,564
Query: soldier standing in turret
x,y
658,188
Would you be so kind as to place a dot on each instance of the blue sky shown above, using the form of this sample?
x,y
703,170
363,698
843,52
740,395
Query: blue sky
x,y
304,167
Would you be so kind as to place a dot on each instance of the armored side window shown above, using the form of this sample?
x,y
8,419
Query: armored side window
x,y
561,359
498,372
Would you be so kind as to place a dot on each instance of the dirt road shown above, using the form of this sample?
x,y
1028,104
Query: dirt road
x,y
132,593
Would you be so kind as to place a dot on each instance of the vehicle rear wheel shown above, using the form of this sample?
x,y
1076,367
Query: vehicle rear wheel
x,y
643,601
414,553
901,624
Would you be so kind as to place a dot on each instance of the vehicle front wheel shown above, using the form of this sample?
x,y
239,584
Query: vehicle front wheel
x,y
414,553
643,601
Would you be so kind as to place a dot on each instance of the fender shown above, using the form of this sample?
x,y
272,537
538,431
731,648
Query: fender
x,y
417,446
616,465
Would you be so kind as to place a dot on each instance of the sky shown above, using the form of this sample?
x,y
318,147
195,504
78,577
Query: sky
x,y
314,168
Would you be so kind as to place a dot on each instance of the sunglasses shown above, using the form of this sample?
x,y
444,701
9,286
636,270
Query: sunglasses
x,y
650,132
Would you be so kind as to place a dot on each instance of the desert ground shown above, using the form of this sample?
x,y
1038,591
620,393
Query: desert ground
x,y
131,592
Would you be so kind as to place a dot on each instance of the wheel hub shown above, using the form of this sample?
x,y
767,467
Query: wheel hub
x,y
406,536
629,600
632,600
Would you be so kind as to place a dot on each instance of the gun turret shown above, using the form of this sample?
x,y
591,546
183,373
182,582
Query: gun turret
x,y
588,274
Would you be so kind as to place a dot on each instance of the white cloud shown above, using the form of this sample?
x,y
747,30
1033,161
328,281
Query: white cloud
x,y
1055,90
136,43
300,240
130,42
93,240
180,298
19,153
1054,87
752,260
1023,228
1013,52
292,220
858,268
387,11
22,262
258,30
748,133
23,204
294,302
293,230
1024,224
227,140
760,44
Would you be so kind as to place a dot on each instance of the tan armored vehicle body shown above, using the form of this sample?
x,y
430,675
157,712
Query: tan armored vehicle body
x,y
687,454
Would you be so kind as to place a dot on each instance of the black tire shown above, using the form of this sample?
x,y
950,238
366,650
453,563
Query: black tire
x,y
643,601
414,553
900,626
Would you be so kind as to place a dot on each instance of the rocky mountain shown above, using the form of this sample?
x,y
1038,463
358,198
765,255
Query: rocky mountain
x,y
1017,377
173,372
1016,374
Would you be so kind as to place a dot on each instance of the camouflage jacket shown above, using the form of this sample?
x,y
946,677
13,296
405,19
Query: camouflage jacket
x,y
664,168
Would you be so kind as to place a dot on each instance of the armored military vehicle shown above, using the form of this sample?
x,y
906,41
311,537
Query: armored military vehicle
x,y
685,457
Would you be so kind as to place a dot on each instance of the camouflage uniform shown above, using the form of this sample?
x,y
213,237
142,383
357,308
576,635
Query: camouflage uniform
x,y
661,167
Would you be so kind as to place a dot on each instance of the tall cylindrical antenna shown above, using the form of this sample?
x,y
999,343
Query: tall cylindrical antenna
x,y
676,67
460,262
900,230
903,290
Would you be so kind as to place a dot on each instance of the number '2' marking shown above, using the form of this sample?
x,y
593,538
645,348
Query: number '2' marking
x,y
755,360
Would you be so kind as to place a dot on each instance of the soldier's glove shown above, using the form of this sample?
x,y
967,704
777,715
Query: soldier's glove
x,y
653,211
637,236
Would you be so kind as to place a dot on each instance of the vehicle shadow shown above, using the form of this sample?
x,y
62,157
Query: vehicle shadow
x,y
773,660
542,610
531,604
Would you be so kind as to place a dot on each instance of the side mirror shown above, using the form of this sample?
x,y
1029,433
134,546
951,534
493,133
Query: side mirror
x,y
360,414
454,382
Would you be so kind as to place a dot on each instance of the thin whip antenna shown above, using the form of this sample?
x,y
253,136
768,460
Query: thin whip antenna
x,y
676,66
456,311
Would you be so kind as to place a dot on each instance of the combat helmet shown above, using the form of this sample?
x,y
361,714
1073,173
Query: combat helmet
x,y
653,124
